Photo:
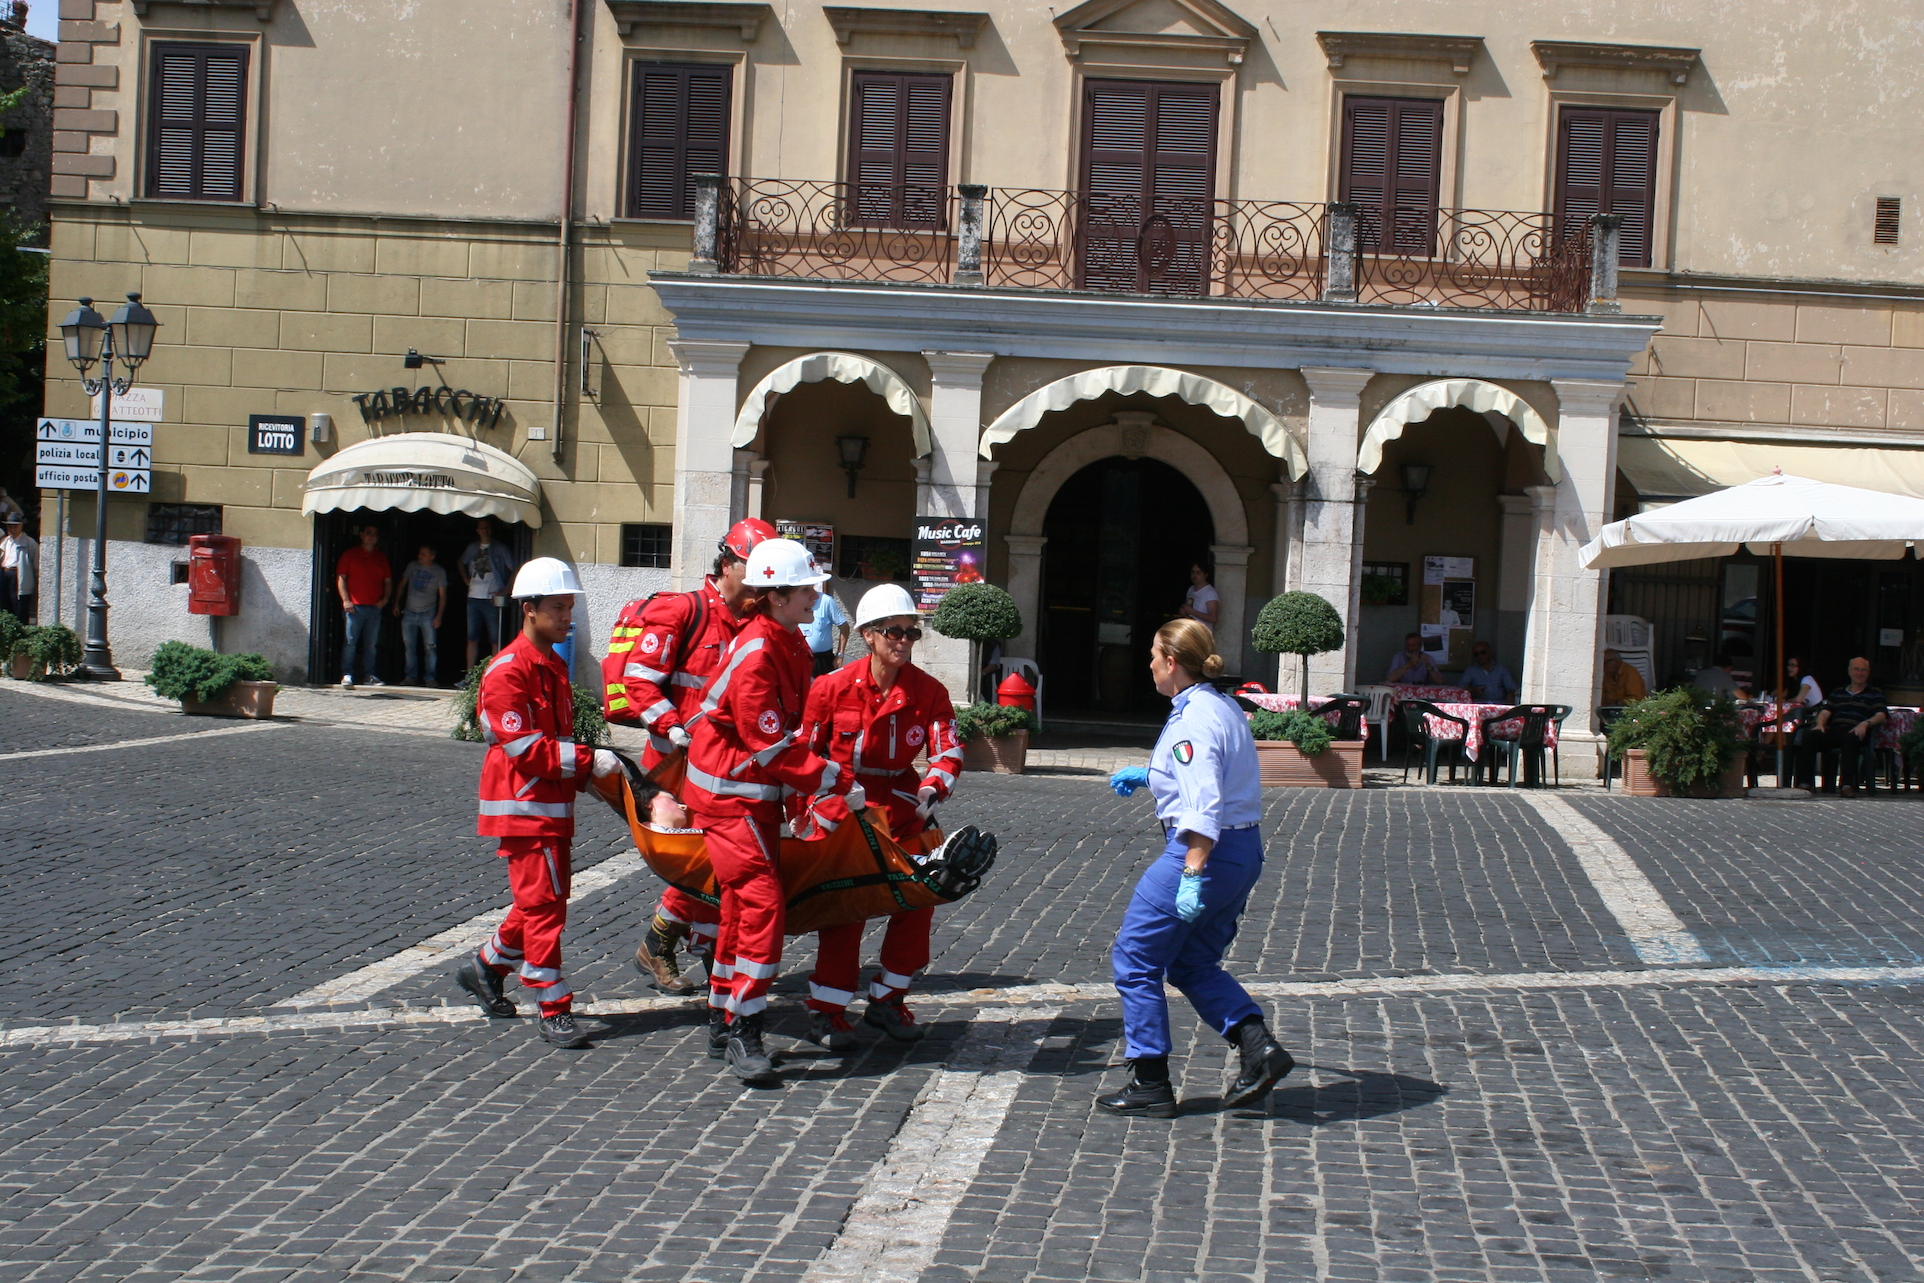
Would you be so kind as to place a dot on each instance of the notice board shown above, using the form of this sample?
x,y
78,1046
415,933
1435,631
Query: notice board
x,y
945,553
1446,609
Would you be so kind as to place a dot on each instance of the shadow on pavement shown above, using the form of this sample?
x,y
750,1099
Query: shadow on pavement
x,y
1366,1094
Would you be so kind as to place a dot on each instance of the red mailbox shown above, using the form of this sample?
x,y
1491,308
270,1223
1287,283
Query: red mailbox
x,y
213,575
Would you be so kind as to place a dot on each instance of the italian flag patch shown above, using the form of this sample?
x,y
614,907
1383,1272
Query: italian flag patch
x,y
1185,752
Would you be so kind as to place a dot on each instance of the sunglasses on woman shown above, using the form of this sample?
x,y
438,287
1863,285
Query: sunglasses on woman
x,y
898,633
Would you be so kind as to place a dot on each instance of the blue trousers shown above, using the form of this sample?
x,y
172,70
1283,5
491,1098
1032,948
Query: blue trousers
x,y
1155,942
363,637
417,635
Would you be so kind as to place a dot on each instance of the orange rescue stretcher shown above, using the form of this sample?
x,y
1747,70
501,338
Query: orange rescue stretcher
x,y
856,873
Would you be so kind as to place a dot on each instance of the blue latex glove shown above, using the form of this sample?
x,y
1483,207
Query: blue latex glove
x,y
1189,898
1128,779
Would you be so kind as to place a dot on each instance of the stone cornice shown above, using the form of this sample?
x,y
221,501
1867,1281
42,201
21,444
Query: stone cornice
x,y
1111,328
744,17
1225,34
847,20
1458,51
263,9
1554,55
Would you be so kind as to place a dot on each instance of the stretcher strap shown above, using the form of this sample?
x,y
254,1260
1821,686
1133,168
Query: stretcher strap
x,y
882,863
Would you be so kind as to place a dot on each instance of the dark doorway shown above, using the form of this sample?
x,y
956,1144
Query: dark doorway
x,y
402,534
1122,535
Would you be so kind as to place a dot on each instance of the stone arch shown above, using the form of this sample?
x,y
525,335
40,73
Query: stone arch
x,y
1487,399
842,367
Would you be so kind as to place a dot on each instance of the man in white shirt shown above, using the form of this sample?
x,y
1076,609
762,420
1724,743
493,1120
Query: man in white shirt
x,y
19,570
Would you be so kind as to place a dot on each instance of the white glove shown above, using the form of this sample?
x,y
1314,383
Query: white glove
x,y
679,736
925,805
606,763
856,798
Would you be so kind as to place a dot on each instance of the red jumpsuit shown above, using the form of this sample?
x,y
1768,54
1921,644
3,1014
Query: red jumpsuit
x,y
529,779
747,751
877,735
662,652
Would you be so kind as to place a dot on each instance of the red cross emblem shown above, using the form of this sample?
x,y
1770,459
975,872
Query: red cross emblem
x,y
768,572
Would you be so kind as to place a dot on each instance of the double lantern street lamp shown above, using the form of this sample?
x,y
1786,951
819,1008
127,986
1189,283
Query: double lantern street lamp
x,y
130,338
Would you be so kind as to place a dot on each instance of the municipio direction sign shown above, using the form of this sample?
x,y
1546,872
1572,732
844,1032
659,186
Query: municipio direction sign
x,y
77,430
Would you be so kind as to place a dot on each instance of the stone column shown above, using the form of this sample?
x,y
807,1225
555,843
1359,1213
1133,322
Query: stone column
x,y
1326,564
1353,619
745,487
1289,536
757,483
704,460
1025,585
1232,586
1540,594
955,430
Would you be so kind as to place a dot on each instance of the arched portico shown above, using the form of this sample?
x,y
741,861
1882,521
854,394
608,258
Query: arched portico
x,y
1498,405
1133,434
842,367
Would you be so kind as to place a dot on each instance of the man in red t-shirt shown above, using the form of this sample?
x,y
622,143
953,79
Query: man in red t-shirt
x,y
364,579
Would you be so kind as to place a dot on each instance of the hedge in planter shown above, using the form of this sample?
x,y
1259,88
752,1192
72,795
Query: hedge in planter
x,y
49,648
991,721
977,613
184,672
1688,738
591,728
1298,623
1306,731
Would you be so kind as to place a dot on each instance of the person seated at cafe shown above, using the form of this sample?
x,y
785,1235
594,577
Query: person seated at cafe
x,y
1716,679
1621,682
1413,667
1802,686
1487,681
1847,725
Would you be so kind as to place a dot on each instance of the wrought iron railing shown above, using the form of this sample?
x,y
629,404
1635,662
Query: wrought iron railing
x,y
1478,258
836,231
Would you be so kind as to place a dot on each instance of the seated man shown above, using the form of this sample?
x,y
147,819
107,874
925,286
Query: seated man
x,y
1413,667
1488,681
1621,683
1848,725
1717,679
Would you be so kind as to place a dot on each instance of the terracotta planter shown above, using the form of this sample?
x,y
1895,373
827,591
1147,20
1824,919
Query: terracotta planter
x,y
21,666
1639,782
1001,754
242,699
1283,765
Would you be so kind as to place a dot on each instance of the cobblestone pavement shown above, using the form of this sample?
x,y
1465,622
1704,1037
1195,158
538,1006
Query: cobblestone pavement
x,y
1495,1086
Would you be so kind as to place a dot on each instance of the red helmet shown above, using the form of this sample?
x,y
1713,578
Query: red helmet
x,y
744,535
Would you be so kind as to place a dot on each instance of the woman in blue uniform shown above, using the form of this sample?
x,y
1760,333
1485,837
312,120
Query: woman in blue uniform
x,y
1184,913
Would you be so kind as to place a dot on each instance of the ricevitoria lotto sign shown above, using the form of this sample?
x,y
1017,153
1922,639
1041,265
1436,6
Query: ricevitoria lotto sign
x,y
946,552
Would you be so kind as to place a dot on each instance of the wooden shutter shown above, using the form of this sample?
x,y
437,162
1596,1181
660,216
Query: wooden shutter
x,y
1148,185
898,149
197,124
1391,164
680,129
1607,164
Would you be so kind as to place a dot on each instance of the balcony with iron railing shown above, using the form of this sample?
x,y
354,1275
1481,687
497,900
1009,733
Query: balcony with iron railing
x,y
1233,249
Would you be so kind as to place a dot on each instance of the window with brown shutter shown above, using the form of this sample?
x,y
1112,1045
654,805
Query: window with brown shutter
x,y
1391,165
197,123
898,149
680,129
1607,164
1148,185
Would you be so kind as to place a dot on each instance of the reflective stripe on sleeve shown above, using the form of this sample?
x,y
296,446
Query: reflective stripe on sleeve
x,y
553,810
645,673
570,758
733,788
657,710
515,748
719,686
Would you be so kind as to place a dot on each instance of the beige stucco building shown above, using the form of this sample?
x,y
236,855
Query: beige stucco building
x,y
1145,282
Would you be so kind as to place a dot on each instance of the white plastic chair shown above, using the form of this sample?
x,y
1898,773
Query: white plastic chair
x,y
1030,674
1639,660
1379,713
1625,633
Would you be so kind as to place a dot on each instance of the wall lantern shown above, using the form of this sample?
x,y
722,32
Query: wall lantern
x,y
1416,484
853,450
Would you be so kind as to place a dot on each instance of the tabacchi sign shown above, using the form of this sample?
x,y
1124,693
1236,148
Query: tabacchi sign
x,y
479,411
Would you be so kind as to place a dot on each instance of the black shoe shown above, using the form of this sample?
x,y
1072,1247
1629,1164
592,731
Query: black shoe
x,y
896,1020
1149,1100
747,1059
832,1032
1265,1064
560,1030
484,987
717,1033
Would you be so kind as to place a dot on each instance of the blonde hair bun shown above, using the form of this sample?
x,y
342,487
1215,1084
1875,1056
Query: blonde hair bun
x,y
1212,667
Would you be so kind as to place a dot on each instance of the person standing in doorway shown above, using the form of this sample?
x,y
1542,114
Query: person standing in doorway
x,y
19,569
1202,602
487,569
827,633
364,579
422,601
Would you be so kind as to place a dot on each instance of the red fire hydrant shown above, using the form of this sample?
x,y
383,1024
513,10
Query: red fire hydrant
x,y
1015,692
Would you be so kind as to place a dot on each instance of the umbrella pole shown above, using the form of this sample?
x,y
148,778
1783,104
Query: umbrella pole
x,y
1777,598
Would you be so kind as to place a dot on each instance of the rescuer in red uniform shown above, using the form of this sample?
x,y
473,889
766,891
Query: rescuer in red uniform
x,y
746,752
662,652
529,779
873,718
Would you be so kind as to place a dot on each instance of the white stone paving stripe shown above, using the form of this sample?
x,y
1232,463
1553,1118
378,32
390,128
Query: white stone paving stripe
x,y
895,1228
364,983
1657,934
141,743
1021,997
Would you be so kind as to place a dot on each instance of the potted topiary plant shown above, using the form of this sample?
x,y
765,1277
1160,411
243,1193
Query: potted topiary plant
x,y
977,613
38,650
995,737
1298,623
1298,750
210,684
1680,743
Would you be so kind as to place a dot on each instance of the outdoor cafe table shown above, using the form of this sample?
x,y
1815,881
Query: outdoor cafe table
x,y
1431,694
1290,703
1471,713
1761,721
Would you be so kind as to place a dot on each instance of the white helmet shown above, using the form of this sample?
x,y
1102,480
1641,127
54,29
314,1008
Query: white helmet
x,y
782,563
882,602
545,577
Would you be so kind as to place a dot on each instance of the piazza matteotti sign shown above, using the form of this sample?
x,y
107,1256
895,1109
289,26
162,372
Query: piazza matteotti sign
x,y
461,404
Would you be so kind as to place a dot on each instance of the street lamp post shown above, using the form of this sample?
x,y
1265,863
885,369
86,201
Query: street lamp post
x,y
130,337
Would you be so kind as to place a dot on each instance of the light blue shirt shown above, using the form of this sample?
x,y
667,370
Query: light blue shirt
x,y
1492,685
820,630
1203,773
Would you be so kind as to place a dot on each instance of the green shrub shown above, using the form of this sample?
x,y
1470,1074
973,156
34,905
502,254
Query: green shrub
x,y
52,647
977,613
591,728
10,630
1688,736
1307,731
985,720
1911,745
1298,623
180,671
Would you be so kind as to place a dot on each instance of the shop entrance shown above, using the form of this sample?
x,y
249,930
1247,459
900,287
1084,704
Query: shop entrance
x,y
402,535
1122,534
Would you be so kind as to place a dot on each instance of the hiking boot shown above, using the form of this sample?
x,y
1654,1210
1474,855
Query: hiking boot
x,y
717,1033
484,987
655,957
1146,1097
1264,1063
831,1031
894,1019
747,1060
560,1030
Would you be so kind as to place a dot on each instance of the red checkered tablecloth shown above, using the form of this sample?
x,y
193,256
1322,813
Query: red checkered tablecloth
x,y
1759,722
1433,694
1289,703
1473,738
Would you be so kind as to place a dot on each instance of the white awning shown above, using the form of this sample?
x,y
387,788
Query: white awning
x,y
431,471
1666,469
1425,399
1156,380
842,367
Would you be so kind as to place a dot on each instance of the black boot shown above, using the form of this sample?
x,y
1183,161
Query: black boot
x,y
560,1030
1148,1092
746,1058
478,978
1264,1063
717,1033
